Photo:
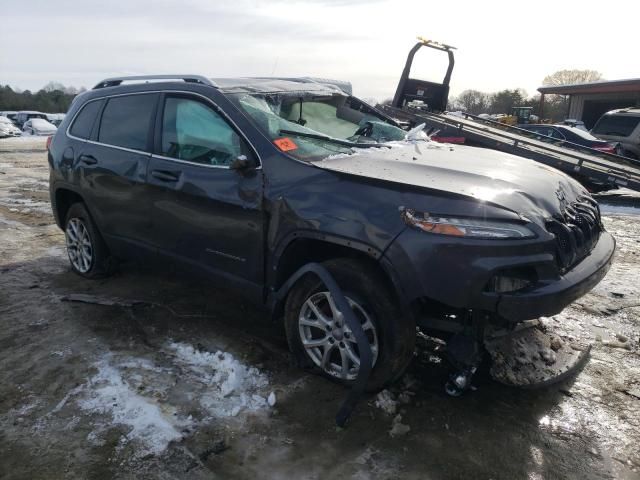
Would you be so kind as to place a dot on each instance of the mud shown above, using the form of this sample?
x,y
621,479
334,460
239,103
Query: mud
x,y
182,379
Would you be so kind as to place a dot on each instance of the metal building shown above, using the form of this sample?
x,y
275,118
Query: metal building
x,y
588,101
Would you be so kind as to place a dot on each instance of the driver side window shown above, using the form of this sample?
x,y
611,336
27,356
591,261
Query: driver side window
x,y
194,132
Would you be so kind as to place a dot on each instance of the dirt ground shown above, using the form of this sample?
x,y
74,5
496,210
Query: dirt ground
x,y
183,380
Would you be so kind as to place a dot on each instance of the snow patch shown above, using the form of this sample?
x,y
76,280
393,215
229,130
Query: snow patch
x,y
612,209
385,402
150,425
231,386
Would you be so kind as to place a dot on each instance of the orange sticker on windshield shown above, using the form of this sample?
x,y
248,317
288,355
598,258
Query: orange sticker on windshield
x,y
285,144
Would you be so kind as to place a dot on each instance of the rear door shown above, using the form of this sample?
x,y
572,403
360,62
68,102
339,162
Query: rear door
x,y
204,211
113,164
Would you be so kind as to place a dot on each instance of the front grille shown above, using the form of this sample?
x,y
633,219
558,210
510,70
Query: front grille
x,y
576,230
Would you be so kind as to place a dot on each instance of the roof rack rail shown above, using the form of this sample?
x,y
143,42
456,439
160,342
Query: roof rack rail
x,y
115,81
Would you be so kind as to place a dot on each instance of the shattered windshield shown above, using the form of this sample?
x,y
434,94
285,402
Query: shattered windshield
x,y
311,127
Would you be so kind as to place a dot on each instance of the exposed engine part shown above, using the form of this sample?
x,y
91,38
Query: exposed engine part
x,y
465,352
459,382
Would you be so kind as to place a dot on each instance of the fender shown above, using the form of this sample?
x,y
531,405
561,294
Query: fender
x,y
276,296
287,240
54,188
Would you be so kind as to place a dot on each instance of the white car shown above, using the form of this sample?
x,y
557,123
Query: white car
x,y
38,126
8,129
55,118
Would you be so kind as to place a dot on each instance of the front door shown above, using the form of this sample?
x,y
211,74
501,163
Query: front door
x,y
204,211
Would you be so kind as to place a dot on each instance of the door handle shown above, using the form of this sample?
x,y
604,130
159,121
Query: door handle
x,y
88,159
165,176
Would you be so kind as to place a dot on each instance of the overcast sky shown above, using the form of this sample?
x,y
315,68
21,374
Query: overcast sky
x,y
501,44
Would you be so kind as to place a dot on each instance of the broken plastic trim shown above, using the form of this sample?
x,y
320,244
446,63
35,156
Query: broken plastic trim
x,y
366,356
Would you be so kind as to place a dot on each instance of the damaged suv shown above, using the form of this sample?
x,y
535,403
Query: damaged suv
x,y
250,180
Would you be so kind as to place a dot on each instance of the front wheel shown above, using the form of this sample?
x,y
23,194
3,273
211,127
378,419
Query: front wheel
x,y
319,338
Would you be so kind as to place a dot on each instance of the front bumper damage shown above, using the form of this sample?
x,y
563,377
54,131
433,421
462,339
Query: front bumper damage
x,y
453,275
552,297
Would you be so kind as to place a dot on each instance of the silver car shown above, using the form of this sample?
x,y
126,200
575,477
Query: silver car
x,y
38,126
8,129
623,126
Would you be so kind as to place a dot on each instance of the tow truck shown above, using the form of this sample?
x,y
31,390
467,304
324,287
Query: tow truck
x,y
419,101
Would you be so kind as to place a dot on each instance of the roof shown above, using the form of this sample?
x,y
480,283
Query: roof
x,y
629,110
604,86
321,86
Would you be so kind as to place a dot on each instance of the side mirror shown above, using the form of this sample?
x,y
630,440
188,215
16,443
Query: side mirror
x,y
241,162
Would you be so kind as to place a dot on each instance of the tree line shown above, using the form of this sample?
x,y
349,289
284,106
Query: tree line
x,y
52,98
555,106
56,98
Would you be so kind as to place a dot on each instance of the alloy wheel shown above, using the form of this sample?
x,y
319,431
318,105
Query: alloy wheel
x,y
328,341
79,245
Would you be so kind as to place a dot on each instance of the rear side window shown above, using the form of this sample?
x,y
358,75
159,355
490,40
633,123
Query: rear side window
x,y
618,125
83,123
126,121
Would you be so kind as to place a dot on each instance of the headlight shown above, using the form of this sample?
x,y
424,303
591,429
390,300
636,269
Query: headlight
x,y
465,227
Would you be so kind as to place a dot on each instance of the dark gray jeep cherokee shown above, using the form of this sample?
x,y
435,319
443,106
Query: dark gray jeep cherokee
x,y
249,180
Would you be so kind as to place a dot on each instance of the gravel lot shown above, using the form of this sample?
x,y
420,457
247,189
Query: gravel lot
x,y
183,380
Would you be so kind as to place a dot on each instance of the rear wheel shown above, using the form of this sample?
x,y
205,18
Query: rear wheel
x,y
320,340
88,254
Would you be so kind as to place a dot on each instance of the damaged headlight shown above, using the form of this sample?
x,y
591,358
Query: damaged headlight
x,y
465,227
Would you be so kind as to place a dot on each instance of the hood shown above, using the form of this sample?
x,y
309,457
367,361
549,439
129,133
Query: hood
x,y
503,180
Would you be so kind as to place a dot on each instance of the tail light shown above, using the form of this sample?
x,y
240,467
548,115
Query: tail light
x,y
49,138
605,148
456,140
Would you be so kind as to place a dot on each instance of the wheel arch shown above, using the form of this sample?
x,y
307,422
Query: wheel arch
x,y
62,199
302,248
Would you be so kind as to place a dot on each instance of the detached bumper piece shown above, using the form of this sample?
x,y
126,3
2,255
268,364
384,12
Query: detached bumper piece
x,y
534,358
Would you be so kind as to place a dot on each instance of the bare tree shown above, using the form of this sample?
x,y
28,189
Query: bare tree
x,y
471,101
567,77
556,105
53,86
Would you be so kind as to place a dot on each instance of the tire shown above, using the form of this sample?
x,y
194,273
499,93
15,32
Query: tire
x,y
88,254
372,301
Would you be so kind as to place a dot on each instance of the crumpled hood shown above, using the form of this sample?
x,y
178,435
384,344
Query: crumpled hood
x,y
507,181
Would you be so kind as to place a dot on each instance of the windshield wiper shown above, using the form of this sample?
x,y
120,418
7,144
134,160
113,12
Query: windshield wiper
x,y
326,138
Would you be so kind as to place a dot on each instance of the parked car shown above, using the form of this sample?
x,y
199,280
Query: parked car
x,y
11,115
8,129
55,118
250,180
572,122
38,126
623,126
22,117
573,135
